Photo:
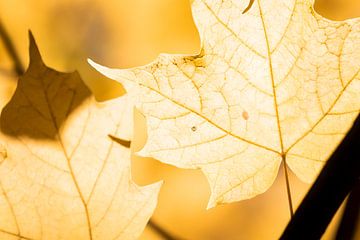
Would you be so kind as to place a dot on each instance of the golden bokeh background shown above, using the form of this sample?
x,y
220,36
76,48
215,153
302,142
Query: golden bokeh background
x,y
128,33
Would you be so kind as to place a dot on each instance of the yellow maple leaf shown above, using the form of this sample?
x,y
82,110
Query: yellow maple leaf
x,y
277,84
61,176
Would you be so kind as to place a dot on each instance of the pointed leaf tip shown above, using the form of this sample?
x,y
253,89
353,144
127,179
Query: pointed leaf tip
x,y
35,55
95,65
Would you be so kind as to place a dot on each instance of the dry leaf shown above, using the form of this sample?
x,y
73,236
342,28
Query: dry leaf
x,y
279,83
61,176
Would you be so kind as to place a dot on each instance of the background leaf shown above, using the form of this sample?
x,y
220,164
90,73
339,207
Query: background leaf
x,y
62,177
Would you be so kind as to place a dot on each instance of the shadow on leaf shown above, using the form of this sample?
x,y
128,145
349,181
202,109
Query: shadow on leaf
x,y
43,100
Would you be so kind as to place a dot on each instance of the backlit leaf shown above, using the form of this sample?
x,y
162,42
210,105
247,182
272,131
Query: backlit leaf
x,y
277,84
61,176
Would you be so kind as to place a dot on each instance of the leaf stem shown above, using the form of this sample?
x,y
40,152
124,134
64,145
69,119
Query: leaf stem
x,y
161,231
288,190
10,48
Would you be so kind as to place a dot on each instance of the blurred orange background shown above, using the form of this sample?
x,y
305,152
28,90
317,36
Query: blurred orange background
x,y
127,33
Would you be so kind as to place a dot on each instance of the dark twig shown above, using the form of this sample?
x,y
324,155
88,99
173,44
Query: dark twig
x,y
10,48
336,180
120,141
249,6
351,215
7,73
162,232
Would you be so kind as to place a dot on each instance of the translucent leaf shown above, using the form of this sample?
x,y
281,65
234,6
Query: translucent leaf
x,y
277,84
61,176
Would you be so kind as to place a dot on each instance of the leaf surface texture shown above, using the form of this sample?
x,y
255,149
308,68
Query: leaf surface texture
x,y
277,84
61,175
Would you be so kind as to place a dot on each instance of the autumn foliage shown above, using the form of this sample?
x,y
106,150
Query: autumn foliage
x,y
274,86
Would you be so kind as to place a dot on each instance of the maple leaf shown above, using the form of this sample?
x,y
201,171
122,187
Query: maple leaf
x,y
277,84
61,176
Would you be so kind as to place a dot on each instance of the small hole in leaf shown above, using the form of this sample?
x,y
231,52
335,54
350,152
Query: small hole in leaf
x,y
193,128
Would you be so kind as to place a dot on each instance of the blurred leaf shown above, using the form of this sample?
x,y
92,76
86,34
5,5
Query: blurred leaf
x,y
338,9
61,177
278,84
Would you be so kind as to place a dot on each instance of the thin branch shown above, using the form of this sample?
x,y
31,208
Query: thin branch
x,y
338,177
351,215
160,231
10,48
7,73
